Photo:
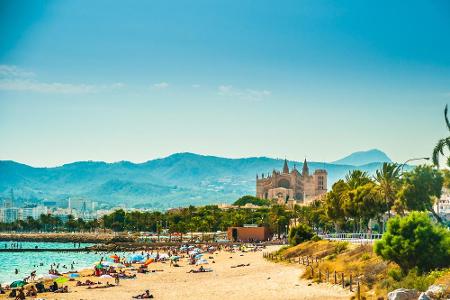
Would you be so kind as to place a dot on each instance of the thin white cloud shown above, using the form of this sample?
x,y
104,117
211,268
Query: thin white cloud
x,y
244,94
8,71
13,78
160,86
195,86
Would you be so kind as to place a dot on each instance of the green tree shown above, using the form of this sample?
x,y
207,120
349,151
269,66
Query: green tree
x,y
415,241
421,187
251,199
442,144
299,234
388,179
334,207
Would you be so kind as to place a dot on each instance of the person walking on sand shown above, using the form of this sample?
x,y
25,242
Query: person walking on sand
x,y
117,279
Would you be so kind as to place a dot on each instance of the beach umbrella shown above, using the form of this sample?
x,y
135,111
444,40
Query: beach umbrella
x,y
174,257
74,275
48,277
106,276
114,256
61,280
136,257
17,284
164,255
201,262
149,261
198,256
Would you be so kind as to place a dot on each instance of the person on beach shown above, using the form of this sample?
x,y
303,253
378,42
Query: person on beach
x,y
117,279
32,292
33,275
20,295
146,295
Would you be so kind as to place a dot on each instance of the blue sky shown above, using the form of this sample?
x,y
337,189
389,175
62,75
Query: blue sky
x,y
136,80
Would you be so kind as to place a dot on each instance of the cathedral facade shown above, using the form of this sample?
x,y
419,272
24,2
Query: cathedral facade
x,y
292,187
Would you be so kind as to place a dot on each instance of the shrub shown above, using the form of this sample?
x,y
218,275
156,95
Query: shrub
x,y
414,241
413,280
316,238
340,247
365,256
300,234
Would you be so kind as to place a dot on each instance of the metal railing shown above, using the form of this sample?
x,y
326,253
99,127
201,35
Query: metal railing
x,y
357,238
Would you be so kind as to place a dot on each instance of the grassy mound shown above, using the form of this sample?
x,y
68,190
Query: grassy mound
x,y
377,277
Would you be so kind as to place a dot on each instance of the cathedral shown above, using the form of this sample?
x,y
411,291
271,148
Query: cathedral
x,y
292,187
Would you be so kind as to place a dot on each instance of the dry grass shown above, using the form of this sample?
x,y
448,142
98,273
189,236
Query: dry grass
x,y
376,276
358,260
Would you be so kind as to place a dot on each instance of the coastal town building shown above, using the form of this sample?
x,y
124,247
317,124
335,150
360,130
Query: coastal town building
x,y
248,233
292,187
442,206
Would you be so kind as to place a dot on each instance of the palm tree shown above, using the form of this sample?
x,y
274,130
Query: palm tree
x,y
387,179
442,143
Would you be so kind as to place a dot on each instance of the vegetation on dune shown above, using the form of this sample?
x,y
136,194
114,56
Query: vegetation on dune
x,y
300,234
415,242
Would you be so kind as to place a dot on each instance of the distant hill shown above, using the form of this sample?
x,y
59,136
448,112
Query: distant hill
x,y
363,158
177,180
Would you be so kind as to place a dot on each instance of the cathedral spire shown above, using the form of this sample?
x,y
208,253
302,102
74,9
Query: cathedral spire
x,y
305,170
285,167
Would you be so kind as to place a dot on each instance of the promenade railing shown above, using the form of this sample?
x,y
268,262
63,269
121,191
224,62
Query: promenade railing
x,y
356,238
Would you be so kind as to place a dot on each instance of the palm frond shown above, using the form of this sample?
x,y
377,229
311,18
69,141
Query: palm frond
x,y
446,118
439,149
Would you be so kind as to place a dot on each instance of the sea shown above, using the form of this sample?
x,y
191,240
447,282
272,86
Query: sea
x,y
26,262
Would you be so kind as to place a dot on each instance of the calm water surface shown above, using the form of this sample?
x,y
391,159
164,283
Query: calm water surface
x,y
26,262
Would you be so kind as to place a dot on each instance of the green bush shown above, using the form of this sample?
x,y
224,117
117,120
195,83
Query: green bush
x,y
316,238
414,241
340,247
413,280
300,234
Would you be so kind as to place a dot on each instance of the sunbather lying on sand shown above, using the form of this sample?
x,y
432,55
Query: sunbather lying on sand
x,y
108,285
240,265
200,270
145,295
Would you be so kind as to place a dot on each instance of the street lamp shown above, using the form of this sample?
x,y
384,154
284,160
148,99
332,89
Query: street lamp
x,y
412,159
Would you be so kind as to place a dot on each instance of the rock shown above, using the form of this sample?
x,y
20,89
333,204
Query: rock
x,y
435,291
403,294
423,296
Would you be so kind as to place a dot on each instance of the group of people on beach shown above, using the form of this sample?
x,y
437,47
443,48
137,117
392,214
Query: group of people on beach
x,y
127,266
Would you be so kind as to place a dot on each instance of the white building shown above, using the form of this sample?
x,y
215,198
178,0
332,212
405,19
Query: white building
x,y
10,214
442,206
33,211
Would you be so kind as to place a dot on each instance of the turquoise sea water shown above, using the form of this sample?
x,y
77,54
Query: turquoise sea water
x,y
26,262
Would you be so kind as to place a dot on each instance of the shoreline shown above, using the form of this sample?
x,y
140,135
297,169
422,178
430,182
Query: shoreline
x,y
258,279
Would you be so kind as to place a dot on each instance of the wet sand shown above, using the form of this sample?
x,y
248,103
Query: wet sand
x,y
260,280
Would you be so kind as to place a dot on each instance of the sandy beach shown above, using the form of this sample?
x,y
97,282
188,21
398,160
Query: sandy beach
x,y
260,280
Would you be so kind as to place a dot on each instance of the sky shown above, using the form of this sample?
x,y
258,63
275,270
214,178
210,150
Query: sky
x,y
137,80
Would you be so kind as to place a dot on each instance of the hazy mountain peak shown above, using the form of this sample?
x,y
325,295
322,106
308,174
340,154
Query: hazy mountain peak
x,y
360,158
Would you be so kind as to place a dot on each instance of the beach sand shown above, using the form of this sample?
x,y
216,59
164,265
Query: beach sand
x,y
261,280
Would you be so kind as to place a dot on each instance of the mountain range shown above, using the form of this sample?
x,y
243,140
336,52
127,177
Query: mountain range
x,y
180,179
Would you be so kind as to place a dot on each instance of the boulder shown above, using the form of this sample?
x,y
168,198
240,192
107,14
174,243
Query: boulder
x,y
423,296
435,291
403,294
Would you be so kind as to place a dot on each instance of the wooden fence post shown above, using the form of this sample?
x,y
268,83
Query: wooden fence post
x,y
351,282
328,275
343,282
335,278
358,292
320,276
312,272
